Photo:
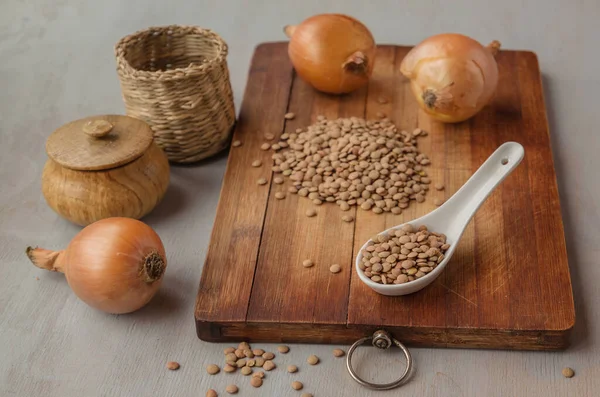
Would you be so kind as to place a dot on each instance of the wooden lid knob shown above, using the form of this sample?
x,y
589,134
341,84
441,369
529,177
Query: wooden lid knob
x,y
97,128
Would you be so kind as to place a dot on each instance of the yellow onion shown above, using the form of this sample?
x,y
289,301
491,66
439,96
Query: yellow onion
x,y
452,76
115,265
332,52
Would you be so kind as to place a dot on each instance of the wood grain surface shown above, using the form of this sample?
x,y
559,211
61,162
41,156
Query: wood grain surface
x,y
508,284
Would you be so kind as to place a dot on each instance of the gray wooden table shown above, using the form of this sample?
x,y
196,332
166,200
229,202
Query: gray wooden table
x,y
57,66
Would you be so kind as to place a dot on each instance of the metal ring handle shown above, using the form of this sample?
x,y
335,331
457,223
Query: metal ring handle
x,y
382,340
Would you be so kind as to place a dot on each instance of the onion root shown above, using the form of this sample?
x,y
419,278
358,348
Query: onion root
x,y
356,63
46,259
153,267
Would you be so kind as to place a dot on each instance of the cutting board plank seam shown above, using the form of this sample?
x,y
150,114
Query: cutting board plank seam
x,y
264,218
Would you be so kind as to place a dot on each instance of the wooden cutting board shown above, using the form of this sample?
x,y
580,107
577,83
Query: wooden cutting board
x,y
508,284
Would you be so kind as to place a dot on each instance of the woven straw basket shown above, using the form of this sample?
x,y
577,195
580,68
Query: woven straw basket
x,y
175,78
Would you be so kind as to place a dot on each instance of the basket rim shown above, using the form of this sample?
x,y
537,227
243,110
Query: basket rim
x,y
125,69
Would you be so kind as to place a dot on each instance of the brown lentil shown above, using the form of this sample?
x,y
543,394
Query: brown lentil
x,y
312,360
292,368
338,352
307,263
246,371
268,365
256,381
438,201
335,268
289,116
306,395
236,143
229,368
297,385
261,181
439,186
269,136
259,374
348,218
232,389
311,212
228,350
283,349
211,393
568,372
278,180
213,369
173,365
280,195
268,356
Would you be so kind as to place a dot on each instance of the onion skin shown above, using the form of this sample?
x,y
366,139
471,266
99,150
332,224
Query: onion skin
x,y
452,76
115,265
334,53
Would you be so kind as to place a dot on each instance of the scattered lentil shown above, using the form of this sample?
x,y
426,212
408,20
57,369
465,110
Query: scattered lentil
x,y
438,201
258,352
280,195
256,163
347,218
232,389
230,349
307,263
256,381
240,363
414,253
283,349
311,212
306,395
439,186
246,371
259,361
211,393
236,143
297,385
278,180
568,372
268,365
231,357
239,353
248,353
289,116
292,368
259,374
213,369
338,352
312,360
261,181
268,356
335,268
173,365
269,136
382,100
251,363
265,146
229,368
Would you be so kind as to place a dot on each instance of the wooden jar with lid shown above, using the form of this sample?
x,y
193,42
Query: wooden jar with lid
x,y
104,166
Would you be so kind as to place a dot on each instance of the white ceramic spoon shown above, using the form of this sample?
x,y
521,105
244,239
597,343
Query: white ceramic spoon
x,y
453,216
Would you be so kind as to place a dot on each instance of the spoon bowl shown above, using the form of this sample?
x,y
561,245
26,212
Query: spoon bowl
x,y
453,216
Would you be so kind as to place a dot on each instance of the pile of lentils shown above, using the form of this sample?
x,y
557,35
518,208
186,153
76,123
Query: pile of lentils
x,y
404,256
351,161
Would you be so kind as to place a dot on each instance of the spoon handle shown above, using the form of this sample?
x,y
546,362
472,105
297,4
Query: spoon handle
x,y
458,210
